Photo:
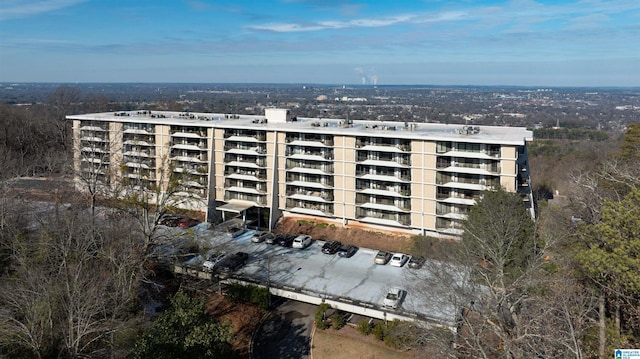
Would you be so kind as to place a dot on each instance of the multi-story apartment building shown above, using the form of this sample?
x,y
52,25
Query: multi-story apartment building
x,y
414,177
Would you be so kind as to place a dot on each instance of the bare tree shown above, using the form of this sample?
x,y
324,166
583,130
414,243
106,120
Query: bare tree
x,y
27,311
96,103
496,281
149,195
63,101
93,165
72,287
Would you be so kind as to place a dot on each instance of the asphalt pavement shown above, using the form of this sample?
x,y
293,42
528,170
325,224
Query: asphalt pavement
x,y
286,333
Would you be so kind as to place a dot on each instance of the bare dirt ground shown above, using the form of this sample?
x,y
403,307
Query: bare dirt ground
x,y
388,241
347,343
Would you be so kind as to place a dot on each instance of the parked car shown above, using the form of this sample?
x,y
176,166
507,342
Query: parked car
x,y
398,259
393,298
232,262
416,262
186,222
382,257
169,220
347,251
284,240
259,237
211,262
331,247
302,241
270,239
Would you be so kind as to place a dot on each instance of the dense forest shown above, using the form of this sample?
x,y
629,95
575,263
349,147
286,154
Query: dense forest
x,y
567,285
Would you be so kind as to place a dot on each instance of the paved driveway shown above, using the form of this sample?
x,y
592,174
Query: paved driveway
x,y
286,333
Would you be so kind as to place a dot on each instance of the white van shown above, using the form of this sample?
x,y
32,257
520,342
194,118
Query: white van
x,y
302,241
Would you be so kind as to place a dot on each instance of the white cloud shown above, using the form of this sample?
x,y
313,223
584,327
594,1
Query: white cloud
x,y
361,23
588,22
15,9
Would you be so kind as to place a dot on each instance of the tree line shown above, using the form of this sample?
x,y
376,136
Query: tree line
x,y
73,282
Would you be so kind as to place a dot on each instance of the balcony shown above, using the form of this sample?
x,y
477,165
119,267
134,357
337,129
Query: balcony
x,y
96,167
383,217
307,153
382,158
185,144
309,139
318,167
245,135
386,202
312,208
449,226
102,161
377,173
383,144
98,147
467,150
246,186
466,181
245,173
230,195
384,188
309,194
138,128
188,156
94,126
302,179
190,168
244,148
140,174
94,136
189,132
136,162
244,160
458,196
466,165
452,211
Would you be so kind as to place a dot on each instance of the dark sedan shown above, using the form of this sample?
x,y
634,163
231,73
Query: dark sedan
x,y
284,240
232,262
331,247
416,262
347,251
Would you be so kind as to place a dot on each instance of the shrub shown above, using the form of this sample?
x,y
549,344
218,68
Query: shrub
x,y
320,322
338,321
239,293
379,331
364,327
392,341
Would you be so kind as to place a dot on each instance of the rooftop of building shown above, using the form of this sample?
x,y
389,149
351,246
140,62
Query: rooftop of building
x,y
409,130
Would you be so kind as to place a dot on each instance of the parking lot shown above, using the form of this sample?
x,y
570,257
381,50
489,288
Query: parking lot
x,y
351,280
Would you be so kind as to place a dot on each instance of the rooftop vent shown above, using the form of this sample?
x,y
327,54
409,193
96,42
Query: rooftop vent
x,y
469,130
346,123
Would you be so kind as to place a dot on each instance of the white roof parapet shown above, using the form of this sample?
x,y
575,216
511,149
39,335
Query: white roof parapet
x,y
279,119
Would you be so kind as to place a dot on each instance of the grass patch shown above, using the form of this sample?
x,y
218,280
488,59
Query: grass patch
x,y
327,345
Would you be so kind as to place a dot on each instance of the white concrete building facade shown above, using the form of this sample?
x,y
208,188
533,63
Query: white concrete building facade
x,y
419,178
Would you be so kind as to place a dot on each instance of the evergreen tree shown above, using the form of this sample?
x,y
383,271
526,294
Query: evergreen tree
x,y
185,331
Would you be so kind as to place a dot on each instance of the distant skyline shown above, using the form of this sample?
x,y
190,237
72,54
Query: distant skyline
x,y
430,42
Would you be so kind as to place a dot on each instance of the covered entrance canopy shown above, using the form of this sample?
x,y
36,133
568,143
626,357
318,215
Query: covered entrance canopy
x,y
235,207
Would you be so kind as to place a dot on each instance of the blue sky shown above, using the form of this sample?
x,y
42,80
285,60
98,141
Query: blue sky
x,y
430,42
